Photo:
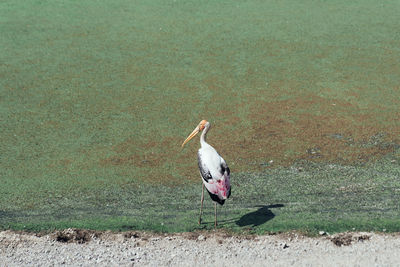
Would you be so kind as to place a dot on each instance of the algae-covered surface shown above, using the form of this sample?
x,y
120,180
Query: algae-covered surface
x,y
97,97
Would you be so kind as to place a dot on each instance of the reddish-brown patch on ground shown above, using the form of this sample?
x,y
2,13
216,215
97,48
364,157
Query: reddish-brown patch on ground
x,y
151,157
308,127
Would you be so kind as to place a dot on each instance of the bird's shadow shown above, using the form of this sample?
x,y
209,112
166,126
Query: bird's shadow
x,y
258,217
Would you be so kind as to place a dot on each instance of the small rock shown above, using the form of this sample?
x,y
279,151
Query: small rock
x,y
201,238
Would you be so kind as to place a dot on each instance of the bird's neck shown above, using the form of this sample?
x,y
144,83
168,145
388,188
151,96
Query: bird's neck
x,y
203,135
203,139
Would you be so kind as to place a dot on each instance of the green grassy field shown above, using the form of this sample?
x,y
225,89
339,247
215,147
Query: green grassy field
x,y
97,97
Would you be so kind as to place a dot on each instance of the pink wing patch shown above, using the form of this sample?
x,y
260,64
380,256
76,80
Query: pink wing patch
x,y
219,187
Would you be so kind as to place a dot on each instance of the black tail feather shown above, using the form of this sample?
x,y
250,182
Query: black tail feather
x,y
216,198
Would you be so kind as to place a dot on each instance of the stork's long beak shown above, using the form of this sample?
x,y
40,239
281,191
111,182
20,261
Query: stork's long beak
x,y
193,134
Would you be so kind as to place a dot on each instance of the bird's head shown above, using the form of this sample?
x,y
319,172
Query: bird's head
x,y
202,125
198,129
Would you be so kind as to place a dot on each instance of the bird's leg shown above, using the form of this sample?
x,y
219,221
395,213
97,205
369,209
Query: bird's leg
x,y
202,199
215,225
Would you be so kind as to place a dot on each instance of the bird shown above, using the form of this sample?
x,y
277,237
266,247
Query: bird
x,y
214,171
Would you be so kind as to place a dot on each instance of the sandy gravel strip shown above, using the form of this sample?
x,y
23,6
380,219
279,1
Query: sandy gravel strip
x,y
88,248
